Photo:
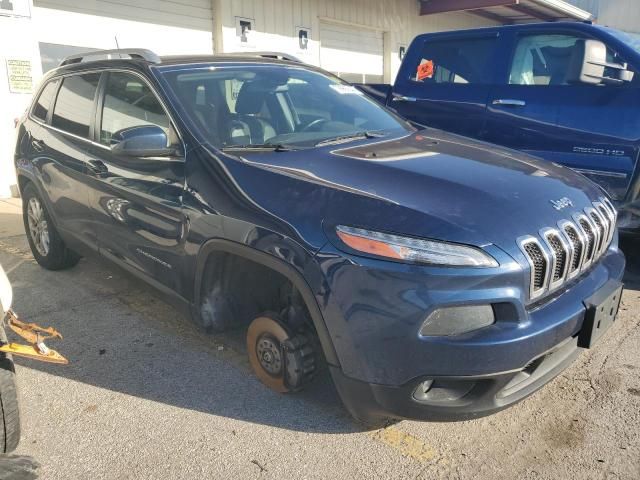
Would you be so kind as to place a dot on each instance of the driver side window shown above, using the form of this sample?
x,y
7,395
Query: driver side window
x,y
129,102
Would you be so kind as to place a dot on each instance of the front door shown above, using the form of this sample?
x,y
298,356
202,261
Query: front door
x,y
544,109
448,83
137,201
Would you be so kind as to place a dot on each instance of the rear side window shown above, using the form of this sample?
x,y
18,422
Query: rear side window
x,y
74,105
460,61
41,107
129,102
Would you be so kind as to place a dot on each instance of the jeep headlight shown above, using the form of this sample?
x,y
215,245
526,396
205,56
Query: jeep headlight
x,y
6,294
412,249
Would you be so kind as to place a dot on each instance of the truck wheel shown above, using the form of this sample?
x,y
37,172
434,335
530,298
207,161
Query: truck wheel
x,y
9,413
282,361
47,247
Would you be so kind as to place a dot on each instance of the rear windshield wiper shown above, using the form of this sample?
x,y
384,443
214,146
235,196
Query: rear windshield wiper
x,y
351,136
274,147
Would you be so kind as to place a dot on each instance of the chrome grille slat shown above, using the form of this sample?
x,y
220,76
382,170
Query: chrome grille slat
x,y
576,240
570,249
539,262
608,226
610,213
559,256
590,237
597,222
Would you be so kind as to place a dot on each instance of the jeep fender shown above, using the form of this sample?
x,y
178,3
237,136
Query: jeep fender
x,y
278,265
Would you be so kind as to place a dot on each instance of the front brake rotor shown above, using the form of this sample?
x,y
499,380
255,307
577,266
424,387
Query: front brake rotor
x,y
283,362
265,339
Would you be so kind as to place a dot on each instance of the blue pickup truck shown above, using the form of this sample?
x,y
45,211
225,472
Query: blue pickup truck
x,y
565,92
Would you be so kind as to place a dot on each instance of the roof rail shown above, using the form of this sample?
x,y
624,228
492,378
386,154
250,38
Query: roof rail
x,y
276,55
139,53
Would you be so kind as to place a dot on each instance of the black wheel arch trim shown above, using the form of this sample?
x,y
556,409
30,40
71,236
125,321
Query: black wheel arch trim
x,y
288,271
33,180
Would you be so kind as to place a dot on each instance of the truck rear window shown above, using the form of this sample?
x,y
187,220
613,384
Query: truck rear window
x,y
456,61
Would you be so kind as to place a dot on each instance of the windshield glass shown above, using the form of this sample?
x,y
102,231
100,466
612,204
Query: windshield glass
x,y
631,39
276,105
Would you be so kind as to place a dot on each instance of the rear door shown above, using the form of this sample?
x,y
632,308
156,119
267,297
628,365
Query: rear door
x,y
446,82
542,109
58,149
136,202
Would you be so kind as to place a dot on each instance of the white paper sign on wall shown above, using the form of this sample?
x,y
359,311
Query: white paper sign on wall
x,y
19,76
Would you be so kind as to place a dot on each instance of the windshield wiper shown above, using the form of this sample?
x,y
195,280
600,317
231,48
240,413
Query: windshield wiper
x,y
275,147
351,136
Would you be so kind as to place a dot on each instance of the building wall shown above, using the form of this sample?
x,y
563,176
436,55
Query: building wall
x,y
17,42
167,27
588,5
621,14
276,22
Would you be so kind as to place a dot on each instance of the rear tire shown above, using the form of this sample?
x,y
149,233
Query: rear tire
x,y
45,242
9,412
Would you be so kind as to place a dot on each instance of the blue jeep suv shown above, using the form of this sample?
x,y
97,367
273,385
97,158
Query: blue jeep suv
x,y
436,277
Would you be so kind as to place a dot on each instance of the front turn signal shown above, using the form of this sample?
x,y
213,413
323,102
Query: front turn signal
x,y
413,250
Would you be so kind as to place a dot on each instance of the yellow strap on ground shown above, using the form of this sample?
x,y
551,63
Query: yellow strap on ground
x,y
29,351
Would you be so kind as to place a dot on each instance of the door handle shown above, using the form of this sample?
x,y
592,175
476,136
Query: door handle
x,y
97,167
403,98
38,145
509,102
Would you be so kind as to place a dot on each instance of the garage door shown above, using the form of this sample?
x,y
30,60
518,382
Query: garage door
x,y
66,27
188,14
355,54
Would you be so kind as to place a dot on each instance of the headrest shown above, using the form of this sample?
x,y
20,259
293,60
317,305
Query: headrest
x,y
251,98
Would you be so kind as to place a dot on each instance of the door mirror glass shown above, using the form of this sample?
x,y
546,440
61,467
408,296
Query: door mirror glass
x,y
143,141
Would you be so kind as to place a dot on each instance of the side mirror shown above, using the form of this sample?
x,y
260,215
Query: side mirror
x,y
143,141
589,62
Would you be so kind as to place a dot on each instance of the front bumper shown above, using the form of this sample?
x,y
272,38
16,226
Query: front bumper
x,y
384,361
452,398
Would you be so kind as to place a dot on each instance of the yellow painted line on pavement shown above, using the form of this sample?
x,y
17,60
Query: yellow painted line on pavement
x,y
18,252
406,444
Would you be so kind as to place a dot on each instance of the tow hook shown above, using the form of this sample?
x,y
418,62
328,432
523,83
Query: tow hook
x,y
35,335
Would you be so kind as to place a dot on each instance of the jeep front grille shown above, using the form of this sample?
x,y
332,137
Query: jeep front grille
x,y
570,249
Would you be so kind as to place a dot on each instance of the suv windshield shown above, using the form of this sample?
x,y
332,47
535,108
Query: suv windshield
x,y
276,105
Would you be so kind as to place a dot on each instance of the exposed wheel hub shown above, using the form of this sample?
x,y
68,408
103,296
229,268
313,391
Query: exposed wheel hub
x,y
269,354
282,361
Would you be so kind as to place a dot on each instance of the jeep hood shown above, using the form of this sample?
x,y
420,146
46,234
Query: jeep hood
x,y
437,185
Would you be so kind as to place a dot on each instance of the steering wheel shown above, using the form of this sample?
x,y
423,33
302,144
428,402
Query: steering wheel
x,y
315,123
